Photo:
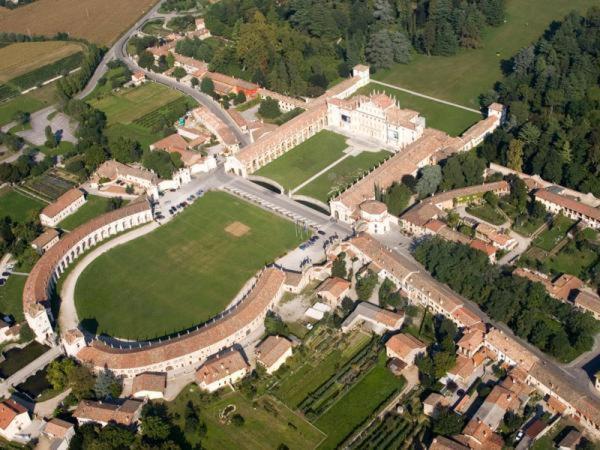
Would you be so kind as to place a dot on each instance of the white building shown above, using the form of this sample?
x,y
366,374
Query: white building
x,y
45,241
14,420
64,206
377,117
404,347
57,435
273,352
149,385
374,217
224,369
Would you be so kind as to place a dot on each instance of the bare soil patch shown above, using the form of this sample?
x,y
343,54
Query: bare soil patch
x,y
237,229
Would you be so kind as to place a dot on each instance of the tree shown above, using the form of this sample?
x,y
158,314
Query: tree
x,y
94,156
274,325
179,73
208,86
146,60
240,98
51,140
58,372
396,198
365,285
269,108
447,422
515,155
431,177
338,268
194,81
22,117
155,428
238,420
162,163
107,385
125,150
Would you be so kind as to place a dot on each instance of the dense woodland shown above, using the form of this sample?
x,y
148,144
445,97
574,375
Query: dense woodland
x,y
301,46
553,326
552,90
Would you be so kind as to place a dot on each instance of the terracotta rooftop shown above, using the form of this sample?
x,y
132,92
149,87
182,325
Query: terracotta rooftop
x,y
481,437
221,366
123,414
149,381
499,186
268,284
271,349
334,286
44,238
231,81
403,344
588,300
373,207
444,443
62,202
171,143
9,409
58,428
488,249
112,169
471,340
568,203
510,347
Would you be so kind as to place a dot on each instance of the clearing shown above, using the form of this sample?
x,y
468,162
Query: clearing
x,y
305,160
101,22
18,206
183,273
23,57
462,77
342,175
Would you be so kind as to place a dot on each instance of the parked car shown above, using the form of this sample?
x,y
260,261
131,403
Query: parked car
x,y
5,274
2,281
321,232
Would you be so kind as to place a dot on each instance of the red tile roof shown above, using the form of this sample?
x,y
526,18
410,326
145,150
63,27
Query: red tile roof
x,y
569,203
62,202
9,409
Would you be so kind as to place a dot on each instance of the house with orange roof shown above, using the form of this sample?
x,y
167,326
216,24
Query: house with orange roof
x,y
405,347
197,163
465,370
444,443
150,385
223,369
569,206
333,290
126,413
57,435
65,205
45,241
489,250
138,77
14,420
470,342
478,436
273,352
499,240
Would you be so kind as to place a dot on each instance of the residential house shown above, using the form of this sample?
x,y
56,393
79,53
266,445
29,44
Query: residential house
x,y
45,240
377,319
433,403
333,290
222,370
273,352
404,347
569,206
64,206
57,435
149,385
126,413
14,420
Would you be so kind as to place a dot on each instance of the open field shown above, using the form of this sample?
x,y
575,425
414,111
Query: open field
x,y
462,77
23,57
133,131
184,272
342,175
18,206
93,207
447,118
11,297
358,403
305,160
268,423
101,22
131,104
30,102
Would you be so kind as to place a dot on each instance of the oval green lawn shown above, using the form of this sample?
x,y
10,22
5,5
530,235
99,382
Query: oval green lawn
x,y
183,273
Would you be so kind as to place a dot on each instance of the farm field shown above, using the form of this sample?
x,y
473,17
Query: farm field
x,y
30,102
358,403
462,77
23,57
182,273
131,104
450,119
268,423
93,207
18,206
11,297
342,175
48,186
99,22
305,160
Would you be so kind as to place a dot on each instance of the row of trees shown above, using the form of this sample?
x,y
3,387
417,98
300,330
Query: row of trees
x,y
552,91
526,307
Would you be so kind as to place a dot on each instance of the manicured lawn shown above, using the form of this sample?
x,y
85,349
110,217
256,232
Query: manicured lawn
x,y
310,372
342,174
268,423
11,297
305,160
357,404
571,260
18,358
184,272
462,77
487,213
133,131
130,104
447,118
18,206
552,236
93,207
30,102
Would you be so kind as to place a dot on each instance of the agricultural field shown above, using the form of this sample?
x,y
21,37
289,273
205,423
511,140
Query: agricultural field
x,y
18,206
450,119
462,77
11,297
132,131
30,102
342,175
130,104
357,404
99,22
155,117
182,273
305,160
24,57
93,207
268,423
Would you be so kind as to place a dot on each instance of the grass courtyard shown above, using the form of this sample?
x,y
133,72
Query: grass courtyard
x,y
462,77
450,119
182,273
268,423
131,104
343,174
93,207
305,160
18,206
11,297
